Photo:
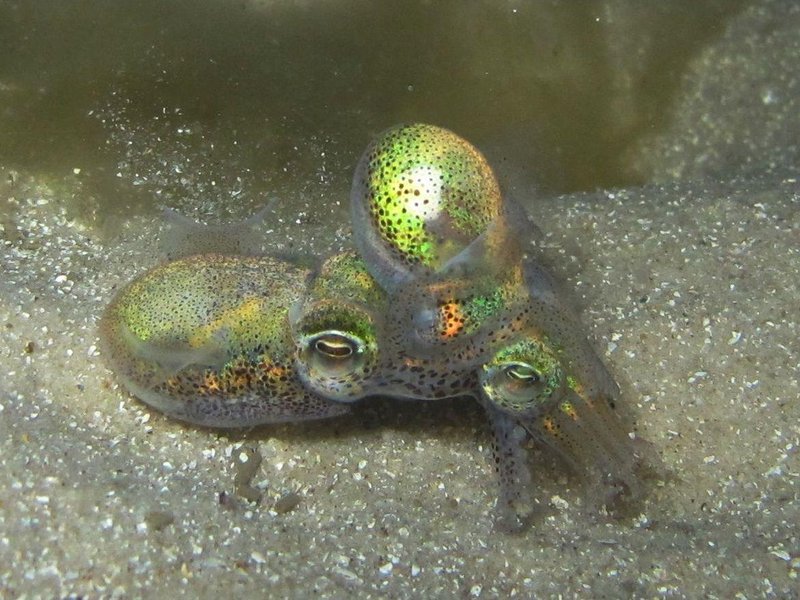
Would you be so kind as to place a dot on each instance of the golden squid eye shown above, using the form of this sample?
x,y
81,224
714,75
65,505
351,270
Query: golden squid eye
x,y
336,345
522,373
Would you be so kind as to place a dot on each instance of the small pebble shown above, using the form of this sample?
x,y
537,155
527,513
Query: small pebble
x,y
287,503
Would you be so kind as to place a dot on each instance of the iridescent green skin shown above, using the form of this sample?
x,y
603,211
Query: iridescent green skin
x,y
206,339
420,195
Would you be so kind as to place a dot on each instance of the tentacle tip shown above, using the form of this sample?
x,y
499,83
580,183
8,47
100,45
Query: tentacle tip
x,y
622,494
513,517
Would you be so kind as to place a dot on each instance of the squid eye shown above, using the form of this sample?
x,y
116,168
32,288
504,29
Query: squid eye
x,y
336,345
334,348
521,372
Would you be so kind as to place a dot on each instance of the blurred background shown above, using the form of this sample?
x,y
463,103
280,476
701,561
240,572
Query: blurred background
x,y
212,106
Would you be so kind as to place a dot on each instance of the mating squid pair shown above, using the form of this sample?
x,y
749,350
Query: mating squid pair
x,y
444,298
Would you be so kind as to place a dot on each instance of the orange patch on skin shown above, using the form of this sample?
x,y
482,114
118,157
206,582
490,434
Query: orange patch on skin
x,y
549,425
240,380
273,371
211,383
452,319
173,383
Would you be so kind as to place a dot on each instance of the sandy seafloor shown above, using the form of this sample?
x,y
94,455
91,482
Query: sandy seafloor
x,y
689,286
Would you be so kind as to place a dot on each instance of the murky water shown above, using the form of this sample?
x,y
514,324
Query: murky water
x,y
207,103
